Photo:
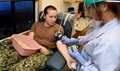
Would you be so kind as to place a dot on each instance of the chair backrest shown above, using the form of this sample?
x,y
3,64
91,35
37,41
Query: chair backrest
x,y
41,17
66,20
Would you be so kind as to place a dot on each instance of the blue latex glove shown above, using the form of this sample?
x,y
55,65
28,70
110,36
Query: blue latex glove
x,y
77,55
66,40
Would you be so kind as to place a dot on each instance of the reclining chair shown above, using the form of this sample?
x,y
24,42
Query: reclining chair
x,y
67,21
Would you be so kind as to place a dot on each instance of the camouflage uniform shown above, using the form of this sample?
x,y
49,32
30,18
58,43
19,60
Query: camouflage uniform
x,y
10,60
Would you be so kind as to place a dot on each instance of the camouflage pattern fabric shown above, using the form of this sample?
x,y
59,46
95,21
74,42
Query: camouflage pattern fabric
x,y
31,63
8,55
10,60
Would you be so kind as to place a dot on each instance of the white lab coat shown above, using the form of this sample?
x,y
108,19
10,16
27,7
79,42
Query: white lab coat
x,y
102,51
93,26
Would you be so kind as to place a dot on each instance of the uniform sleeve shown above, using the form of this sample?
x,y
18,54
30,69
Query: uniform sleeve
x,y
33,28
91,27
105,58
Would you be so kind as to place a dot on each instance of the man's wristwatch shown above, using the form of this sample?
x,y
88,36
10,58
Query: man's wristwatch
x,y
58,35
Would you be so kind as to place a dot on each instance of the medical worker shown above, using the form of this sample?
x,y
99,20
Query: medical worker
x,y
102,49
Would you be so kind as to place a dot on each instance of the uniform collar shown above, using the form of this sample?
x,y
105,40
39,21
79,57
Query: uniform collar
x,y
107,27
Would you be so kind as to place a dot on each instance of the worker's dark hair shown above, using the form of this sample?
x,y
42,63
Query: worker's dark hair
x,y
113,6
49,7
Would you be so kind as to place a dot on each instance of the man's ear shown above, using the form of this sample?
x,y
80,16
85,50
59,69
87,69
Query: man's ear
x,y
103,7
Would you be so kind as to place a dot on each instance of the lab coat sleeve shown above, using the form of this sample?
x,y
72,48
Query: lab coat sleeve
x,y
85,39
105,57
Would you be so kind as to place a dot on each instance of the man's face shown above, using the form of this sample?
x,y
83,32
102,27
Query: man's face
x,y
50,17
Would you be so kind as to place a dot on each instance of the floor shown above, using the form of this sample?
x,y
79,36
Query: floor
x,y
65,69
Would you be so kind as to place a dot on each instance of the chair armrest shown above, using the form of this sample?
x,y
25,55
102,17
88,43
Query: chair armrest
x,y
56,61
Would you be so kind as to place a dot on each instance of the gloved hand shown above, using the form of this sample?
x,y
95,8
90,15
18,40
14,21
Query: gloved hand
x,y
74,54
77,56
66,40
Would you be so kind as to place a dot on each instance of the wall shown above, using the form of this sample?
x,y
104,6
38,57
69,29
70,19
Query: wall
x,y
56,3
67,5
36,11
60,5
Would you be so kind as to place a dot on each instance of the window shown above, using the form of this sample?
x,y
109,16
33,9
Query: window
x,y
16,17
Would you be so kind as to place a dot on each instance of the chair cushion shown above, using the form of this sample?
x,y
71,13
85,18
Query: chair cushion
x,y
57,61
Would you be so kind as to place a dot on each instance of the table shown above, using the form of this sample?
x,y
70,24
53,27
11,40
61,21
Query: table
x,y
81,27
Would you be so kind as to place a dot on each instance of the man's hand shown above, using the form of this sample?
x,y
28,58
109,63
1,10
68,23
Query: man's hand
x,y
44,51
70,61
